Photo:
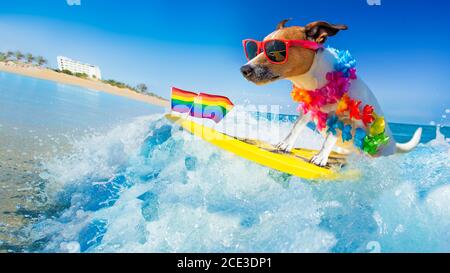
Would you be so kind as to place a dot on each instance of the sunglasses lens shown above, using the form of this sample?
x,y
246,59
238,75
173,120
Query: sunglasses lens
x,y
251,48
276,51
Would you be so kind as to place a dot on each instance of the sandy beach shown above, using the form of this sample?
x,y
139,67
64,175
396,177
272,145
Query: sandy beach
x,y
47,74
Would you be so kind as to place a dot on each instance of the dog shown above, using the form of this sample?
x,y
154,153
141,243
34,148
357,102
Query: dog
x,y
307,69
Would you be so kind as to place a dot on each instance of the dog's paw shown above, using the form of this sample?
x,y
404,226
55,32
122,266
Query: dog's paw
x,y
284,146
319,160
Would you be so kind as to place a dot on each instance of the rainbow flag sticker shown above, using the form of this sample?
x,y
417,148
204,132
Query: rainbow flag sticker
x,y
182,100
200,105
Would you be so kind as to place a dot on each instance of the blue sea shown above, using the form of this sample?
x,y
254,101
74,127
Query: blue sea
x,y
130,181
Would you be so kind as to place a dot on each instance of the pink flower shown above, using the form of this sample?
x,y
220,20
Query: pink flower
x,y
337,86
321,118
352,74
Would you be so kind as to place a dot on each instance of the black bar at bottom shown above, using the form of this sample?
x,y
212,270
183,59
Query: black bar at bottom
x,y
218,262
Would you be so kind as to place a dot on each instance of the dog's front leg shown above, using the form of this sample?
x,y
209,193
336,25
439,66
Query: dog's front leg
x,y
321,158
288,143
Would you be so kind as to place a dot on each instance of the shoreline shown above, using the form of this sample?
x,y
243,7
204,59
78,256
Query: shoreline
x,y
98,86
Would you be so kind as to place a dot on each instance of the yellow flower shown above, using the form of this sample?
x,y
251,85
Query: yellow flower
x,y
378,126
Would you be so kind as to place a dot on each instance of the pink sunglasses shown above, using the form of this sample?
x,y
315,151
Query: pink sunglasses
x,y
275,50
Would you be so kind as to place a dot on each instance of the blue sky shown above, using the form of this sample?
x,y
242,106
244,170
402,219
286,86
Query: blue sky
x,y
401,46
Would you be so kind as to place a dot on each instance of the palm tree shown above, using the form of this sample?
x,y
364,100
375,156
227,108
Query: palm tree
x,y
40,60
19,55
29,58
9,54
142,87
2,57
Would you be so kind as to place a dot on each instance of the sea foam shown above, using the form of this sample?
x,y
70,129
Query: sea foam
x,y
148,186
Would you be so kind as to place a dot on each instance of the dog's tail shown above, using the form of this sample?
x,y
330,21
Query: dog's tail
x,y
406,147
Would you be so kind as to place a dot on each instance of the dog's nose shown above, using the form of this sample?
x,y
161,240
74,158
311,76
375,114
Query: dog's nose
x,y
247,70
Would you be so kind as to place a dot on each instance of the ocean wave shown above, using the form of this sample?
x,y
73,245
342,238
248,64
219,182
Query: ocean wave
x,y
148,186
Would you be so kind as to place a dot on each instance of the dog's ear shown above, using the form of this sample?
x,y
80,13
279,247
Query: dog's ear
x,y
282,23
319,31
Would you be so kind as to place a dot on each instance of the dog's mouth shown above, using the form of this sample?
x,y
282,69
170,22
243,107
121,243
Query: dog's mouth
x,y
259,74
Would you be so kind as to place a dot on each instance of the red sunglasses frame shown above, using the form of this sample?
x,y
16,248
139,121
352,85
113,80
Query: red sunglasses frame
x,y
289,43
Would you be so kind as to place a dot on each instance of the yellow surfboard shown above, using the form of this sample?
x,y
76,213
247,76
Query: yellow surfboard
x,y
295,162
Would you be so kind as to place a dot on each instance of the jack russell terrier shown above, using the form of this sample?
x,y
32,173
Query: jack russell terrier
x,y
327,88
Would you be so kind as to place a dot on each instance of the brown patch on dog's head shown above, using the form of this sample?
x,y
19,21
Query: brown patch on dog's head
x,y
260,71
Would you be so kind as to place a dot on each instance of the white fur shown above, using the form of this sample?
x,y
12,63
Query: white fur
x,y
288,143
321,158
406,147
315,78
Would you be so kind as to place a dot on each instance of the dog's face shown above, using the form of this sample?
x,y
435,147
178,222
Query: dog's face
x,y
260,71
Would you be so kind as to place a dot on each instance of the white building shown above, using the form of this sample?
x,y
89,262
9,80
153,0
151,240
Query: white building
x,y
73,66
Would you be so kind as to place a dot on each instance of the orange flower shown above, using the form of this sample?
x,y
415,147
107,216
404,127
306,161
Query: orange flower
x,y
301,95
343,104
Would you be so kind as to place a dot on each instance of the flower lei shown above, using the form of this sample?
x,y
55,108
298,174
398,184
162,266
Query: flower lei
x,y
336,91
